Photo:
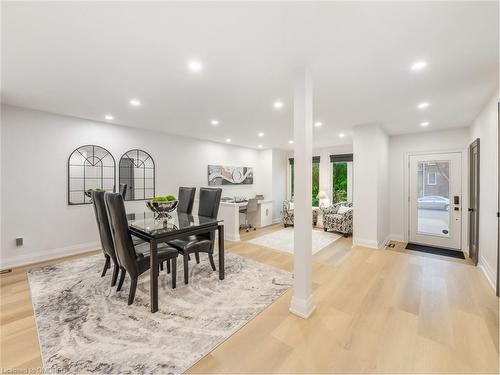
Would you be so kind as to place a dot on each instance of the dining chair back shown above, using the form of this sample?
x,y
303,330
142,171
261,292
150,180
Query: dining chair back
x,y
186,199
123,190
209,202
105,236
120,233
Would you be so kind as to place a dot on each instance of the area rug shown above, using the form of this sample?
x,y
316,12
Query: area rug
x,y
85,326
283,240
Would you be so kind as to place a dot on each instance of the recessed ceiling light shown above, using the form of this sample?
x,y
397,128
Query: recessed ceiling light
x,y
418,65
278,104
135,102
109,117
259,146
195,66
228,140
341,135
214,122
260,134
424,124
423,105
318,124
290,141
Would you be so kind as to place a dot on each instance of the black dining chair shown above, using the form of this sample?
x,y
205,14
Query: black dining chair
x,y
200,243
186,200
123,190
132,262
107,245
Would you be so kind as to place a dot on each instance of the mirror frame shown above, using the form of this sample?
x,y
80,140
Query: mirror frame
x,y
69,165
154,173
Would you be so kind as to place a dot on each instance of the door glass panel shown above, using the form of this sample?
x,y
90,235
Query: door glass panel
x,y
433,202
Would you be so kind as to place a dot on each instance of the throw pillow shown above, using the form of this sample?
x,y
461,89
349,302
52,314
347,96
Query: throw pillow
x,y
344,209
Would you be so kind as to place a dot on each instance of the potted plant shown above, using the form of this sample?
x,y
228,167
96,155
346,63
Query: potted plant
x,y
162,206
88,193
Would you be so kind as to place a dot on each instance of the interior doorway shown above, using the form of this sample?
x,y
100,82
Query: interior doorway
x,y
474,201
435,199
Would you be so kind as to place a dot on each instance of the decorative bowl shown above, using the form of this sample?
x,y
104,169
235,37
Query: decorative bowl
x,y
163,208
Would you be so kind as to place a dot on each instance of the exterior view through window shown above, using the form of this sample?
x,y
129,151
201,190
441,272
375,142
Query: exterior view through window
x,y
342,177
315,180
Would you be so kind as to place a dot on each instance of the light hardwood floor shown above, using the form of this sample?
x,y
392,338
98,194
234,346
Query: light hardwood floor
x,y
377,311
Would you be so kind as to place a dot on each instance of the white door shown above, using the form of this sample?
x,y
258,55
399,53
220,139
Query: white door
x,y
435,200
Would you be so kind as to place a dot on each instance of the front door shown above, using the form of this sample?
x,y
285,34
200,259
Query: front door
x,y
435,200
474,200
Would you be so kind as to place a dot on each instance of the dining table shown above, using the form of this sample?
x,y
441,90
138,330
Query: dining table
x,y
149,228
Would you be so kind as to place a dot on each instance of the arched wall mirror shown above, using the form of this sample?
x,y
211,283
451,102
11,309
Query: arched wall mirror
x,y
137,172
90,167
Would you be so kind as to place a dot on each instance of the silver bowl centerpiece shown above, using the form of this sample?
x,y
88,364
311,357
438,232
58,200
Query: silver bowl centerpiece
x,y
162,206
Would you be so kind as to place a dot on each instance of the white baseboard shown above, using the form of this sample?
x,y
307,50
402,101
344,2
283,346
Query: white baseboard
x,y
396,237
384,242
488,271
302,308
372,244
277,221
26,259
230,237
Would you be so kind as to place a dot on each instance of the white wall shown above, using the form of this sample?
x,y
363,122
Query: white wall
x,y
35,147
485,127
399,147
371,206
279,182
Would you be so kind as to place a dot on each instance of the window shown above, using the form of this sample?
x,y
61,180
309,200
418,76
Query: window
x,y
315,180
431,178
342,176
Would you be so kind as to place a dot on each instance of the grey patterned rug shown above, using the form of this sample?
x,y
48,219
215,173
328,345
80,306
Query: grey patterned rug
x,y
85,326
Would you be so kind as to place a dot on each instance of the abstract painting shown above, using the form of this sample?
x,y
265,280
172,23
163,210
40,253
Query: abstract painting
x,y
222,175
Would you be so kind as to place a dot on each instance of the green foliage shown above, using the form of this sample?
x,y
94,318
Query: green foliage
x,y
315,183
91,190
339,176
164,198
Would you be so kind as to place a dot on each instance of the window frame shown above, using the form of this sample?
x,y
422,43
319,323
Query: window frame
x,y
291,175
429,180
341,158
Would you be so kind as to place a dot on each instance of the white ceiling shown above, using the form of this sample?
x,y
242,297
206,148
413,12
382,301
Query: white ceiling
x,y
88,60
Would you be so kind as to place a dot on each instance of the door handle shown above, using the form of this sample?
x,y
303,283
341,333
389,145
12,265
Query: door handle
x,y
471,209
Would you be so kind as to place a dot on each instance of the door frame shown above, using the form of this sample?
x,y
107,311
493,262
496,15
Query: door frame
x,y
464,152
498,202
476,144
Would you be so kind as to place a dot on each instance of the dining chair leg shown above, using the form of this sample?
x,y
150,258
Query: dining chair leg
x,y
212,263
174,272
122,278
161,266
186,273
131,293
197,256
106,266
168,264
115,275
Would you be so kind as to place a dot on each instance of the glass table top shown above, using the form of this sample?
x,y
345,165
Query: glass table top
x,y
146,222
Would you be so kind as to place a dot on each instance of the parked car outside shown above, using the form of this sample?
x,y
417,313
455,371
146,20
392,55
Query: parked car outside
x,y
433,202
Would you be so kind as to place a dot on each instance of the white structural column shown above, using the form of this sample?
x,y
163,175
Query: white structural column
x,y
302,301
